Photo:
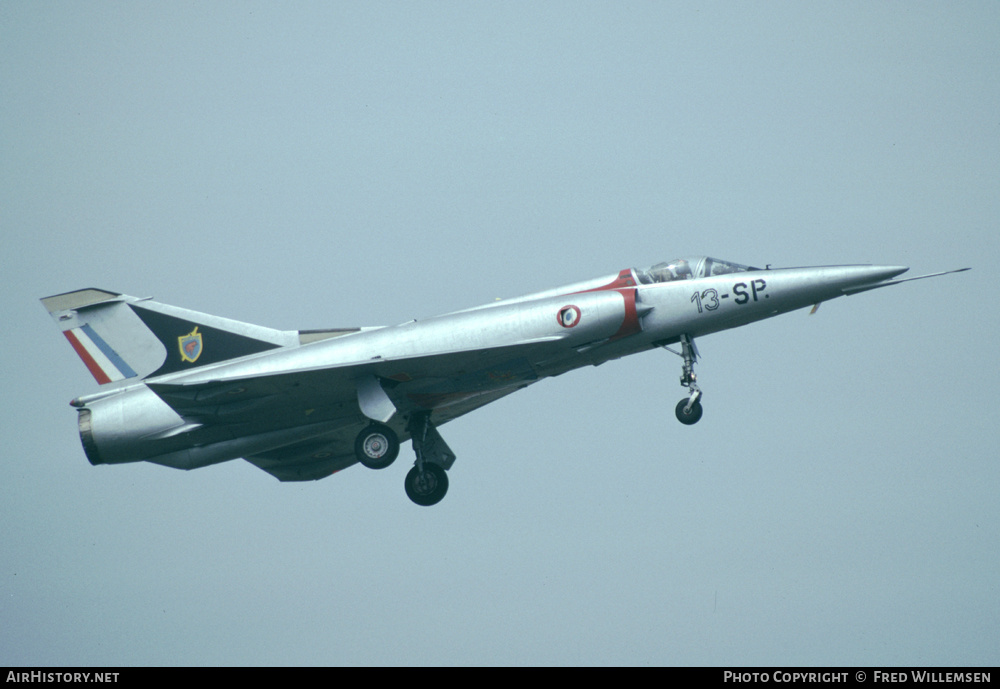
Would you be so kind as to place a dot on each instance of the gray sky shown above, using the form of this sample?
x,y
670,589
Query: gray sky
x,y
341,164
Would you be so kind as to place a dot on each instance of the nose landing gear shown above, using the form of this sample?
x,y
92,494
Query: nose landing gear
x,y
688,410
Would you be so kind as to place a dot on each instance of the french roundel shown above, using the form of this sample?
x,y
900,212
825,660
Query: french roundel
x,y
569,316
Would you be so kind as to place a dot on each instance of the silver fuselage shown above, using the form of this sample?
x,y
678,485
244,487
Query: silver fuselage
x,y
496,349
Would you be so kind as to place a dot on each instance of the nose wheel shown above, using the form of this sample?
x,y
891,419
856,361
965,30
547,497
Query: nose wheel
x,y
688,413
688,410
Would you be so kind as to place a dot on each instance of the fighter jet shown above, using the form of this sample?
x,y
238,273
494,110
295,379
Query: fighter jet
x,y
185,389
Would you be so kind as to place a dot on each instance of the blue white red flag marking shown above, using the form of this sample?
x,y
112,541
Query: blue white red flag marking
x,y
101,360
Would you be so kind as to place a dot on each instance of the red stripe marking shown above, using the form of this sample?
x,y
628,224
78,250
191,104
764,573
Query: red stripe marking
x,y
82,352
630,326
624,279
623,284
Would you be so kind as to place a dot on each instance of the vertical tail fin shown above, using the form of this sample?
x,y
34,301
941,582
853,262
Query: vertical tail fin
x,y
119,337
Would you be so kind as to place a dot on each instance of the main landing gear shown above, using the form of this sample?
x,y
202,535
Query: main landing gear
x,y
426,483
688,410
426,486
377,446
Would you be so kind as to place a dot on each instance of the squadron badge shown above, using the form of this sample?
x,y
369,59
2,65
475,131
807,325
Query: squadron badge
x,y
190,345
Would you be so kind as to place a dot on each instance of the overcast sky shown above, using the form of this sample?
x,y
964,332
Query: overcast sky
x,y
328,164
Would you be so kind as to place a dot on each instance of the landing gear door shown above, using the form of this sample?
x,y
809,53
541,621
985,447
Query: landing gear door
x,y
436,450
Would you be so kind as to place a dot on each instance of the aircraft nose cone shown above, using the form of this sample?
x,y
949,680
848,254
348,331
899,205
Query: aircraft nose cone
x,y
856,278
879,273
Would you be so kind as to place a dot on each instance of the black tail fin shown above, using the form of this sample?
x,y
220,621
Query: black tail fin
x,y
120,337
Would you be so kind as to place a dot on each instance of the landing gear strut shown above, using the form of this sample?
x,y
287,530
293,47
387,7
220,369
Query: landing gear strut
x,y
427,483
688,410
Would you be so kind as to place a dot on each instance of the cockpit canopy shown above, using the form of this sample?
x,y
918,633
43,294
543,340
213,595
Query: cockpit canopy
x,y
688,268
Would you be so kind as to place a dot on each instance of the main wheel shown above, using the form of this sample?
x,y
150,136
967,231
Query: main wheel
x,y
377,446
426,487
689,416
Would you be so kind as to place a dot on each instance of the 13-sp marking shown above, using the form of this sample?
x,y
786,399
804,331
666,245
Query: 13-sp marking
x,y
709,300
